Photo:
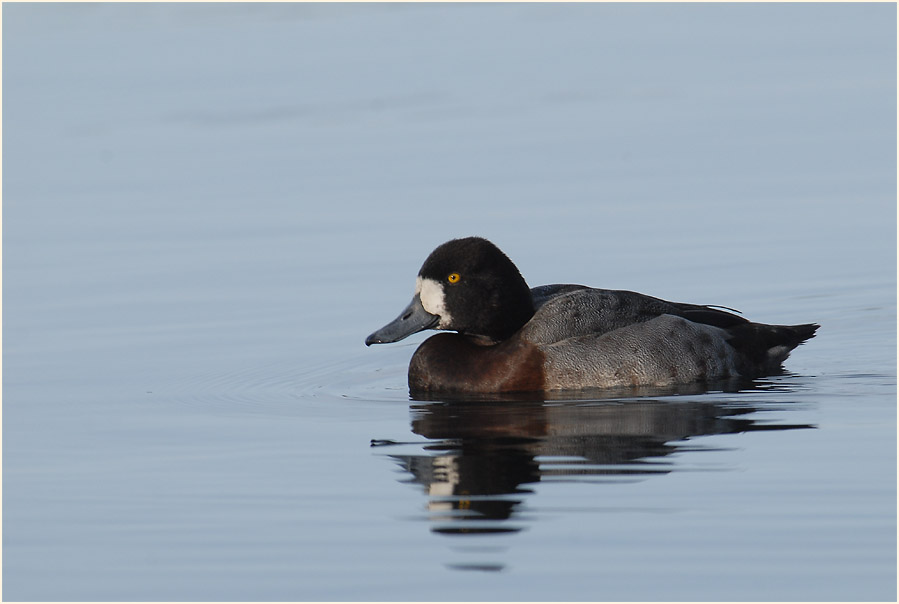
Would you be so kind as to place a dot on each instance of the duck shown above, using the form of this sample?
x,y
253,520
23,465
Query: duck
x,y
501,336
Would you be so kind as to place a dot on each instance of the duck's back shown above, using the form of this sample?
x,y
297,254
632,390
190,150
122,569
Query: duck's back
x,y
621,338
567,311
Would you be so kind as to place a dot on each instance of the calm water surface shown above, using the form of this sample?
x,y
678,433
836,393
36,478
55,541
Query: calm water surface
x,y
208,207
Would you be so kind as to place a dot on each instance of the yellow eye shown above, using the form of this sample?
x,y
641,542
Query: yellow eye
x,y
453,278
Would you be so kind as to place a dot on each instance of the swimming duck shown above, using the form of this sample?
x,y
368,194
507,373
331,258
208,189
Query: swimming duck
x,y
511,338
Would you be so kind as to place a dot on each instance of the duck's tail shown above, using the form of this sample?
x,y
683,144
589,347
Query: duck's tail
x,y
766,347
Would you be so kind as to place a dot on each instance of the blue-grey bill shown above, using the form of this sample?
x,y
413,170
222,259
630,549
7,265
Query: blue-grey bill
x,y
412,320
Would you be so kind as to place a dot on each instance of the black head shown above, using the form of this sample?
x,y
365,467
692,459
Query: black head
x,y
466,285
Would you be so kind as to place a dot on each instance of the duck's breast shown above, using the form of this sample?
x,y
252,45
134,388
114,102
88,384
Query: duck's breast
x,y
451,362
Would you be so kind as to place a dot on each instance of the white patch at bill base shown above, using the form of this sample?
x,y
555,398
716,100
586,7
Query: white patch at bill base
x,y
433,300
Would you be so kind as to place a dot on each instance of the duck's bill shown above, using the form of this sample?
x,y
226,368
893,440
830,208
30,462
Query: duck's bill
x,y
412,320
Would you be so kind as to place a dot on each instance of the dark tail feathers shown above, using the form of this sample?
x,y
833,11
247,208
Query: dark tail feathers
x,y
765,347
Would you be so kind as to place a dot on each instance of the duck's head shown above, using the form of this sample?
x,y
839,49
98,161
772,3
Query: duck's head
x,y
466,285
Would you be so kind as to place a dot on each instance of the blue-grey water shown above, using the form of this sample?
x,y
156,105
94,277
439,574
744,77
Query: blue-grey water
x,y
207,207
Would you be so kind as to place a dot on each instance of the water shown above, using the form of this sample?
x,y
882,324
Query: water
x,y
208,207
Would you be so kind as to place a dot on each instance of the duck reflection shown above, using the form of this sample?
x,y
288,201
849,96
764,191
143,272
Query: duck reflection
x,y
481,454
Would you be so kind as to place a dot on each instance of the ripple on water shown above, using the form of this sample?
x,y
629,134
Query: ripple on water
x,y
275,388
